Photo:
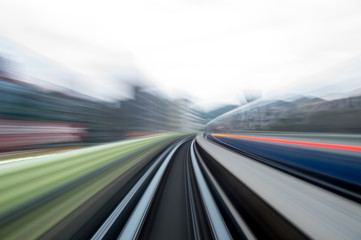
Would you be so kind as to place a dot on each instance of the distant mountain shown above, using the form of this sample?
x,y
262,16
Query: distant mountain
x,y
210,115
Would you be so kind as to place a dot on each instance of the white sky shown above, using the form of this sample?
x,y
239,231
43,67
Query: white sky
x,y
209,49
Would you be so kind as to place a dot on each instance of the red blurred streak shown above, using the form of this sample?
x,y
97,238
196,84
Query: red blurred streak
x,y
303,143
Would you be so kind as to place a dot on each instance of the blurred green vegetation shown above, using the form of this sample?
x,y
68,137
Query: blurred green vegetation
x,y
23,184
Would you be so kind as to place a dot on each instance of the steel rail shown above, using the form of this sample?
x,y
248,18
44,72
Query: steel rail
x,y
104,230
191,202
134,224
219,228
242,224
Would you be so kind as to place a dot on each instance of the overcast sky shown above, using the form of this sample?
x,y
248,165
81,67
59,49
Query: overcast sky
x,y
211,50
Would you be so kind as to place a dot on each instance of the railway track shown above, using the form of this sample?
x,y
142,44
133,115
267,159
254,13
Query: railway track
x,y
183,196
176,204
190,192
193,188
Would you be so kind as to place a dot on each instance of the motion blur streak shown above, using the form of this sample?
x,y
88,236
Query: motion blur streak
x,y
311,144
